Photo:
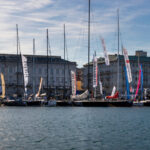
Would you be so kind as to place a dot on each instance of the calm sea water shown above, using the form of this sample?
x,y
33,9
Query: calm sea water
x,y
74,128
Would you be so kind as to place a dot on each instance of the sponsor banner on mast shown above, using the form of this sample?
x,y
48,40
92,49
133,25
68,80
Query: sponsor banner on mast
x,y
105,52
127,63
73,81
138,85
95,70
25,72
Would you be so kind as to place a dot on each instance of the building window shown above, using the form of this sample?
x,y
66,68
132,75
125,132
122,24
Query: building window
x,y
45,70
51,71
57,79
10,70
62,71
2,69
57,71
40,71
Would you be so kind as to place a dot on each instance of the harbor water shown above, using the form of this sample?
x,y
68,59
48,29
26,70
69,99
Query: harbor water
x,y
74,128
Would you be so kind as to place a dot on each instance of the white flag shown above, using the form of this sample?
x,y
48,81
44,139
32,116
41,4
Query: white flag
x,y
73,81
105,53
113,91
95,71
127,62
25,72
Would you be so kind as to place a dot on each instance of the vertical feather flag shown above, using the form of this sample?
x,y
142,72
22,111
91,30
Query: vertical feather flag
x,y
25,72
73,81
95,71
139,80
127,63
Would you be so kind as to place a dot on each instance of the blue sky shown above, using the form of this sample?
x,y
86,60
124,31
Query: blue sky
x,y
34,16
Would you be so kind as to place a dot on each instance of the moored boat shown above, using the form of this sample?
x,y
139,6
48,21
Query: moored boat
x,y
14,103
138,103
51,103
146,103
121,103
34,102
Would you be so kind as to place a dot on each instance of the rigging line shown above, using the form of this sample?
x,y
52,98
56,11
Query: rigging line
x,y
19,49
69,73
95,38
66,48
49,47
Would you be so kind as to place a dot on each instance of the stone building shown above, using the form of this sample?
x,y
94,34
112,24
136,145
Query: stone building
x,y
108,74
56,66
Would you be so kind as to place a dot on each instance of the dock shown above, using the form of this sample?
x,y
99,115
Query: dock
x,y
79,103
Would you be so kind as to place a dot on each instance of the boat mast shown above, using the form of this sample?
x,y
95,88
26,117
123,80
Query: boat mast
x,y
33,74
17,56
64,59
47,65
118,51
89,44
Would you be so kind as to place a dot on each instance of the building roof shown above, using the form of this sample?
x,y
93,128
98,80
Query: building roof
x,y
38,58
113,58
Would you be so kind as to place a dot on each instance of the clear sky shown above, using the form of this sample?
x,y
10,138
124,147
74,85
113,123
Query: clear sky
x,y
34,16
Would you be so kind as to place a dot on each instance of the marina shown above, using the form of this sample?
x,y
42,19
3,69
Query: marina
x,y
74,75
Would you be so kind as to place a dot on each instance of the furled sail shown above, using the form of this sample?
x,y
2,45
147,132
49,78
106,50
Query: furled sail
x,y
81,96
113,91
2,86
25,72
127,63
105,52
73,81
95,70
40,86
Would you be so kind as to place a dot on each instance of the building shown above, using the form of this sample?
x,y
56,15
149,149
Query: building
x,y
108,74
56,80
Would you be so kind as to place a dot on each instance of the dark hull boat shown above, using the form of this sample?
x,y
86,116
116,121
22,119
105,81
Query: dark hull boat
x,y
121,103
64,103
14,103
146,103
35,103
91,103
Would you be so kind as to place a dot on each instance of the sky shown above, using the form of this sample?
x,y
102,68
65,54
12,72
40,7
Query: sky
x,y
35,16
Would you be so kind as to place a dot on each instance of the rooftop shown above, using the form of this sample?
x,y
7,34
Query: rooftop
x,y
38,58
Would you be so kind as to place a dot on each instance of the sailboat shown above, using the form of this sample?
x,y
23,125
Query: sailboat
x,y
33,101
74,96
50,102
